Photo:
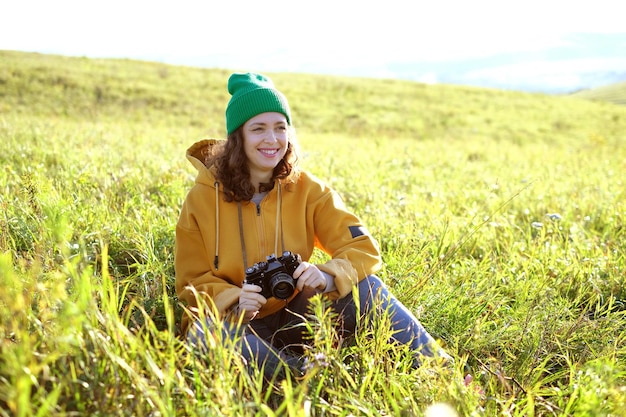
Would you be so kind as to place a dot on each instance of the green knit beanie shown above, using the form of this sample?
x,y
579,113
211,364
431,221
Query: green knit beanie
x,y
252,94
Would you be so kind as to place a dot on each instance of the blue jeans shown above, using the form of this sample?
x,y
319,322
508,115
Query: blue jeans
x,y
276,341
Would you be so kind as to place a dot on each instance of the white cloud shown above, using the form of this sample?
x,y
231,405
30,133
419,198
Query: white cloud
x,y
428,78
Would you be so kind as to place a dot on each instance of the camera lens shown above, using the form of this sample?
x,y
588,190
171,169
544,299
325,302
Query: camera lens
x,y
282,286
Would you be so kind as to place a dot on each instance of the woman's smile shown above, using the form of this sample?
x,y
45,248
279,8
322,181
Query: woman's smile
x,y
269,152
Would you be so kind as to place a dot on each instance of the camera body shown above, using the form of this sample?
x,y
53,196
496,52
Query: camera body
x,y
275,276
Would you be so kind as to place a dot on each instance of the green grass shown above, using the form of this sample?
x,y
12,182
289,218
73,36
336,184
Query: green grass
x,y
456,183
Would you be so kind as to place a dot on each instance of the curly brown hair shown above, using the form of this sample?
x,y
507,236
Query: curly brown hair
x,y
231,167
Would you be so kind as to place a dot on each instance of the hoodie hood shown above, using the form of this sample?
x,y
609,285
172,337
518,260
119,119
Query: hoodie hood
x,y
198,154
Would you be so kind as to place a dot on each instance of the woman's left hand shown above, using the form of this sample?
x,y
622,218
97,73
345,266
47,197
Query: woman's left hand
x,y
309,275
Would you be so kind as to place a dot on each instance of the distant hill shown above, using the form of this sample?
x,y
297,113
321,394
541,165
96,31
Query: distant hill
x,y
149,93
612,93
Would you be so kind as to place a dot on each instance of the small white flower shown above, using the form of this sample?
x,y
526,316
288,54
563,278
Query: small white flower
x,y
537,225
318,360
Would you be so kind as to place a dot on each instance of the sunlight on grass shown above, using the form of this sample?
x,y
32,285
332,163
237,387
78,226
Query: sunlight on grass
x,y
500,218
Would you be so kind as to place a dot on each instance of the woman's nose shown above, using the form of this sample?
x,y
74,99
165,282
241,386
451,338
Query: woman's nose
x,y
270,136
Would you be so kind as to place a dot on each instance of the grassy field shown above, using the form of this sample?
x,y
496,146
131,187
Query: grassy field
x,y
500,215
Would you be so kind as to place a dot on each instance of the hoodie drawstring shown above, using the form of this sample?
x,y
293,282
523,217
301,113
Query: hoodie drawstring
x,y
217,225
243,243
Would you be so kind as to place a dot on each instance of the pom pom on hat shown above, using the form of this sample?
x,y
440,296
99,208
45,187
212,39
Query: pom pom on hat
x,y
252,94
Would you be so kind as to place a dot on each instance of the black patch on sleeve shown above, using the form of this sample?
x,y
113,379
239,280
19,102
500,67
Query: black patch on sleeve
x,y
357,231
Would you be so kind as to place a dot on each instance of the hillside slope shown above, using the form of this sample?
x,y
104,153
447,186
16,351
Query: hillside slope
x,y
612,93
110,89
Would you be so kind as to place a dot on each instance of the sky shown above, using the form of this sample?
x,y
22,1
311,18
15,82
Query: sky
x,y
532,44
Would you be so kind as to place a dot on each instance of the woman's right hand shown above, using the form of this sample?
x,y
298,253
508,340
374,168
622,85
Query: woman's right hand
x,y
250,301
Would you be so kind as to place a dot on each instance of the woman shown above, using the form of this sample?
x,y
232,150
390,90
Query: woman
x,y
251,203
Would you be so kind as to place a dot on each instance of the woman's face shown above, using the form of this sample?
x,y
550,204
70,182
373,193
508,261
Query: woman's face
x,y
265,143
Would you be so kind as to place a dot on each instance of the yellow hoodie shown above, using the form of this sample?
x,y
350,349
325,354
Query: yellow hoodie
x,y
209,256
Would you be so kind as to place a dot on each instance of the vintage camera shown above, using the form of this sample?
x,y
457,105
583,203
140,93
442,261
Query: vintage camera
x,y
275,276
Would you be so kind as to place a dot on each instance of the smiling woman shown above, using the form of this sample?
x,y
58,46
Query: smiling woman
x,y
251,203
